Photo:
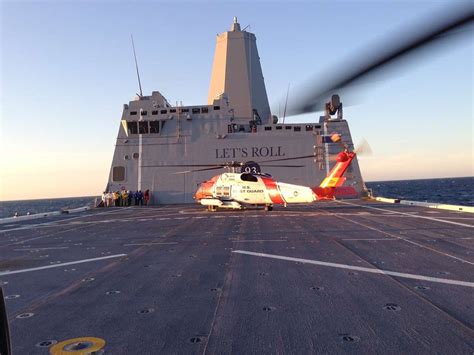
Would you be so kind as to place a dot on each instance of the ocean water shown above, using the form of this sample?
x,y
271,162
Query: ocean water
x,y
9,208
455,191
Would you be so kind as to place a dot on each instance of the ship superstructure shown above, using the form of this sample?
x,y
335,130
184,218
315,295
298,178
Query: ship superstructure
x,y
156,139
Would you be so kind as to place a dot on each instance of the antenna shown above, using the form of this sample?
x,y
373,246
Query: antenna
x,y
136,66
286,102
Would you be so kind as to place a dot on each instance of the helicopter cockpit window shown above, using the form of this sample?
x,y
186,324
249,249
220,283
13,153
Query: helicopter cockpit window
x,y
248,177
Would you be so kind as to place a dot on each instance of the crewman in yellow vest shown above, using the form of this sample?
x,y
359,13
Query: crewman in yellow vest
x,y
124,200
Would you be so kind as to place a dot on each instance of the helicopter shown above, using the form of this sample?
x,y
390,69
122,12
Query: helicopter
x,y
251,187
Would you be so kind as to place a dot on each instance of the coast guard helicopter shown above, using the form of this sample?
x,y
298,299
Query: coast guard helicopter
x,y
251,187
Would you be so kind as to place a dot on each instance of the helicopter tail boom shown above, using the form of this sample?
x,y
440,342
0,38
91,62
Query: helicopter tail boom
x,y
326,190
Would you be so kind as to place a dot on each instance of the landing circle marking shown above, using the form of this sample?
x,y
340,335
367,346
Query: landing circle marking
x,y
84,345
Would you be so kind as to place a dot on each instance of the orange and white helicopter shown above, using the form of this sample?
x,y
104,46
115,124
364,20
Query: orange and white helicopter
x,y
250,187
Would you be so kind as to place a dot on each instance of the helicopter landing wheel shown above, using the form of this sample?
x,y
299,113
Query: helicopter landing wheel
x,y
212,208
268,208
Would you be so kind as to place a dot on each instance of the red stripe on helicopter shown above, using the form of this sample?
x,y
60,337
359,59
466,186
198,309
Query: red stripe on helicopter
x,y
273,190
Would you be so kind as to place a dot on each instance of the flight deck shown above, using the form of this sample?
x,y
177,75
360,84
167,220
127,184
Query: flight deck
x,y
332,277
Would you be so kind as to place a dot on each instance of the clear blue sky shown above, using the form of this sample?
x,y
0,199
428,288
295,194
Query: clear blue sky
x,y
67,68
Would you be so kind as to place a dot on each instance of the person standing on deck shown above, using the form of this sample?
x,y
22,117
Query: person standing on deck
x,y
116,199
124,198
146,196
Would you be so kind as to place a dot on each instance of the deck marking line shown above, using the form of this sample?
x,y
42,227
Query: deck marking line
x,y
359,268
257,240
411,215
164,243
51,248
57,223
3,273
392,239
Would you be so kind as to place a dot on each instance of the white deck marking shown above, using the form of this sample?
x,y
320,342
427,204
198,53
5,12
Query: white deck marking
x,y
390,239
410,214
134,244
4,273
51,248
359,268
258,240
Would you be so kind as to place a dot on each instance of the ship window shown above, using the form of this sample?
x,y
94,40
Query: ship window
x,y
217,108
297,128
154,126
287,127
248,177
136,155
172,110
309,127
143,127
205,109
118,173
144,113
278,127
132,127
184,110
268,128
196,110
230,128
133,113
317,126
165,111
154,112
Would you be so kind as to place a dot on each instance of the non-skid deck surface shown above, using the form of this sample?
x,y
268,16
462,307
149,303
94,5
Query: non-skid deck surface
x,y
333,277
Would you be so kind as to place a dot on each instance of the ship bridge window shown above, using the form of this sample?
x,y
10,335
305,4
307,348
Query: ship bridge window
x,y
309,127
278,127
133,113
267,128
154,126
172,110
205,110
118,173
287,127
217,108
143,127
184,110
132,127
163,112
155,112
196,110
297,128
144,113
248,177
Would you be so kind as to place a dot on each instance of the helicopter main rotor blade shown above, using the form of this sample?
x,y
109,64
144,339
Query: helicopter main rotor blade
x,y
434,29
281,166
285,159
183,165
195,170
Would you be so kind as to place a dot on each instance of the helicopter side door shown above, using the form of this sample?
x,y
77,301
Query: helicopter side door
x,y
249,189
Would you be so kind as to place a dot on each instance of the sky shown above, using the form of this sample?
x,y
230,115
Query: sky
x,y
67,69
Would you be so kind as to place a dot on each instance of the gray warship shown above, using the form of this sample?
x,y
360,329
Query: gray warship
x,y
156,139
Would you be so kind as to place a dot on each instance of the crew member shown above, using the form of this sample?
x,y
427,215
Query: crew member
x,y
146,196
124,198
